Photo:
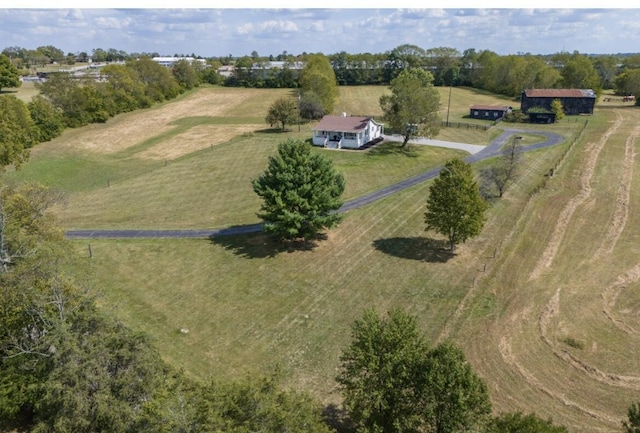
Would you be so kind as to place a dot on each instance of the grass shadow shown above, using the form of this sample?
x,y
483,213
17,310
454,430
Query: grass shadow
x,y
416,248
262,245
273,131
393,148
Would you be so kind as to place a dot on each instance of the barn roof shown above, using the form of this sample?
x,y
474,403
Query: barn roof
x,y
342,123
490,107
560,93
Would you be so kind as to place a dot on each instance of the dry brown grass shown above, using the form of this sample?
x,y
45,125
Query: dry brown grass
x,y
123,132
567,272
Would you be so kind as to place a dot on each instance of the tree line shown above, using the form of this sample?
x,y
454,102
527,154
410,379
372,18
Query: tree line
x,y
66,101
482,69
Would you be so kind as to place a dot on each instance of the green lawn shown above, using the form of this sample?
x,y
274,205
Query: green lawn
x,y
250,304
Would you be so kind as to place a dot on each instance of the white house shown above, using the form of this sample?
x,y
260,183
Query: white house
x,y
344,131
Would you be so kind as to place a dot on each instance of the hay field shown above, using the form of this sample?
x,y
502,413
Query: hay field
x,y
554,325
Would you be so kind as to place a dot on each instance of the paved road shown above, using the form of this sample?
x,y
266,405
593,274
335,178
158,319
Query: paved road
x,y
477,153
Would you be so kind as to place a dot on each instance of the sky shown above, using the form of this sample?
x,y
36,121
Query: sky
x,y
155,26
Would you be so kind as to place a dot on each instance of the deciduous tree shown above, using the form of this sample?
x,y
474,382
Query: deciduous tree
x,y
412,107
16,131
628,83
300,192
505,168
185,74
311,106
381,375
519,423
283,111
455,207
557,109
579,72
47,120
456,398
392,381
9,76
318,77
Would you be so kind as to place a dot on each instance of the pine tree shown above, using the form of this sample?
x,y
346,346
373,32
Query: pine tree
x,y
300,192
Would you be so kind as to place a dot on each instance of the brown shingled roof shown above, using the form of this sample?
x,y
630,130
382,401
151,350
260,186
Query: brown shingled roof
x,y
559,93
342,123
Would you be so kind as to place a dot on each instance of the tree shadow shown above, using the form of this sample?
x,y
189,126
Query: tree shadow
x,y
262,245
393,148
337,419
271,131
416,248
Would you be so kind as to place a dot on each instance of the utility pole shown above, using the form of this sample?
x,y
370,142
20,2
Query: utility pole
x,y
449,106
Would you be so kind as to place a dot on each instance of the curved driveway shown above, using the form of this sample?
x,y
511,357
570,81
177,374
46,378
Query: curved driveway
x,y
477,153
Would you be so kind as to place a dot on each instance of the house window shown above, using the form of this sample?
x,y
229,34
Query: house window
x,y
475,113
349,135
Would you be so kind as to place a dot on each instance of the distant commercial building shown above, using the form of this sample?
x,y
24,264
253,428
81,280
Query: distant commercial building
x,y
169,61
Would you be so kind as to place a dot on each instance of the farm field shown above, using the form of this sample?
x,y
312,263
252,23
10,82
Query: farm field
x,y
544,303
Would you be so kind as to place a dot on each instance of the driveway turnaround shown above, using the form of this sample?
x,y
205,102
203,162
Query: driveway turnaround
x,y
477,153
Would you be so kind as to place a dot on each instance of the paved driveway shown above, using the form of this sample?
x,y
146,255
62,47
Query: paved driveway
x,y
476,152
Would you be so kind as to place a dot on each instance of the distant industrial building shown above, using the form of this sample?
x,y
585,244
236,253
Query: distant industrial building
x,y
169,61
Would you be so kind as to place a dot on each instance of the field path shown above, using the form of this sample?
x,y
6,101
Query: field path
x,y
477,154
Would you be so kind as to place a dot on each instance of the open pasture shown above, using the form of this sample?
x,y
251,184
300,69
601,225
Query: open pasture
x,y
544,302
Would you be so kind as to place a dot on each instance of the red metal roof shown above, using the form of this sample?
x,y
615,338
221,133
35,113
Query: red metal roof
x,y
560,93
342,123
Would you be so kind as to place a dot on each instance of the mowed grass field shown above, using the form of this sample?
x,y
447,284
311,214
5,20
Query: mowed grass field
x,y
544,302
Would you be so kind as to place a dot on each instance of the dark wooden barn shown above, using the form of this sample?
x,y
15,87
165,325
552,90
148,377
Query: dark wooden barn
x,y
489,112
574,101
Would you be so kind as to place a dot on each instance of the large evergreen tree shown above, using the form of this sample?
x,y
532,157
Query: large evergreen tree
x,y
300,191
455,207
412,107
